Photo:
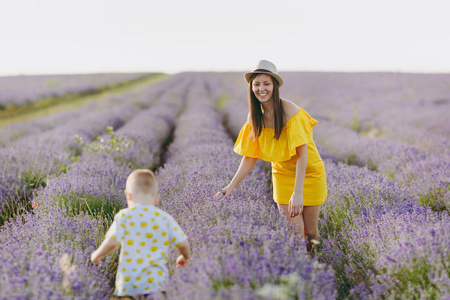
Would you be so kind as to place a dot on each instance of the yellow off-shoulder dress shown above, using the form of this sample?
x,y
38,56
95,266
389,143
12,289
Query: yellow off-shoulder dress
x,y
282,154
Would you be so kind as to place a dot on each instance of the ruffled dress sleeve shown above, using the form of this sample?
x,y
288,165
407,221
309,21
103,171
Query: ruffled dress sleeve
x,y
245,145
298,131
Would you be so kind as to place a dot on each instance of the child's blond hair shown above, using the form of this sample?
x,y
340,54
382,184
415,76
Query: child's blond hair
x,y
142,181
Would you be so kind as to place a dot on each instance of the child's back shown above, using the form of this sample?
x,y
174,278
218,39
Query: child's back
x,y
145,233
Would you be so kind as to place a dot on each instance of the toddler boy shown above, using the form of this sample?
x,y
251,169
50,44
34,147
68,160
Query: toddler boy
x,y
144,233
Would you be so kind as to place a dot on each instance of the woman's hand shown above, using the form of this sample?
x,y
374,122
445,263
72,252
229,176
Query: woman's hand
x,y
247,164
224,192
295,205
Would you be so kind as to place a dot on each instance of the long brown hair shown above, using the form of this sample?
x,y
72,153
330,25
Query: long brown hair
x,y
255,107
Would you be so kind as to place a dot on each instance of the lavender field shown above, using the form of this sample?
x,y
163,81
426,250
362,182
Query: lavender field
x,y
384,228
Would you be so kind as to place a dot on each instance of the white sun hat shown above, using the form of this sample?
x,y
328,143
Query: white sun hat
x,y
265,67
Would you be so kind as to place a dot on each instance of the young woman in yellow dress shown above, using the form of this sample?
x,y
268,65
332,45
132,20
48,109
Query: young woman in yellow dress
x,y
279,131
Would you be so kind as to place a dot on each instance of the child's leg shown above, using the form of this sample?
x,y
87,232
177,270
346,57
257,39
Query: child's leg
x,y
297,220
114,297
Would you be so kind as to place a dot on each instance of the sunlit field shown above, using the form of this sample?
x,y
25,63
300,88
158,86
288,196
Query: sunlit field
x,y
384,138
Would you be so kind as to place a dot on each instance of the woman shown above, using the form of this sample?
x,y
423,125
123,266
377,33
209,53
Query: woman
x,y
279,131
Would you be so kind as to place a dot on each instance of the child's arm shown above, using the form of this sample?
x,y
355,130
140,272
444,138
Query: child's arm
x,y
185,253
107,246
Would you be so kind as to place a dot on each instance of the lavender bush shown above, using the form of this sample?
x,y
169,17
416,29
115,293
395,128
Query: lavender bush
x,y
44,256
426,174
410,255
234,110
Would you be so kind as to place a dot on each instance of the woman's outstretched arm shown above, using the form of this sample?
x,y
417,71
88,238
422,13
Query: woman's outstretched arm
x,y
247,164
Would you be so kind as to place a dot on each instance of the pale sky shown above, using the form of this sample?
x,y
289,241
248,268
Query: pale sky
x,y
90,36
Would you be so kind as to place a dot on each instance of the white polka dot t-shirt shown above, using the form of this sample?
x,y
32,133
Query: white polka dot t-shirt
x,y
145,233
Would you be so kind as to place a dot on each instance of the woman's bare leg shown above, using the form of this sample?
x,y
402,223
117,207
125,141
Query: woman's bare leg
x,y
297,220
311,220
306,223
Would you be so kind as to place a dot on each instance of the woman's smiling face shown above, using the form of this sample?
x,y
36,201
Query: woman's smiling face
x,y
262,87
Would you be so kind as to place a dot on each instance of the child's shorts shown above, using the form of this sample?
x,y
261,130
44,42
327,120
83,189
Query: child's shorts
x,y
137,297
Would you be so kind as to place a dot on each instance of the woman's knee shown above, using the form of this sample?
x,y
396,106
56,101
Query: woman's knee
x,y
311,217
312,233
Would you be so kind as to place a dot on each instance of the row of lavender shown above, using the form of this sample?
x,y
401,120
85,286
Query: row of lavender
x,y
45,147
138,97
19,90
242,248
378,239
46,255
425,174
